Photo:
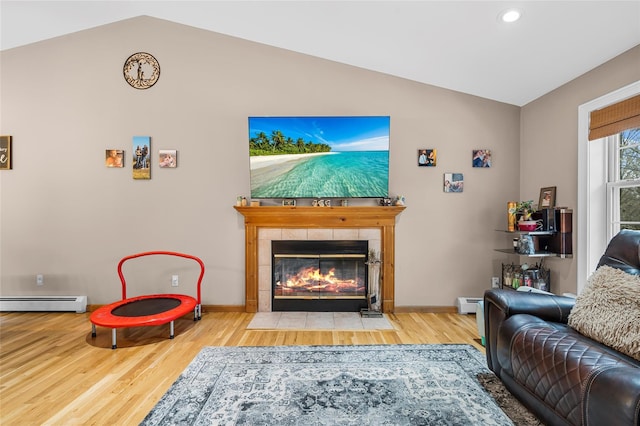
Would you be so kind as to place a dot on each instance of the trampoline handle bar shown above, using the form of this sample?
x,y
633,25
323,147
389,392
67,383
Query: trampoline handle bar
x,y
167,253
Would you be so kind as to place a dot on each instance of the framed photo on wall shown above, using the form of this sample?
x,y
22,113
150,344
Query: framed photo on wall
x,y
114,158
481,158
5,152
453,182
547,198
142,157
168,158
427,157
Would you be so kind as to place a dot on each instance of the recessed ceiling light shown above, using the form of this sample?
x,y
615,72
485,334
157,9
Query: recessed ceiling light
x,y
510,15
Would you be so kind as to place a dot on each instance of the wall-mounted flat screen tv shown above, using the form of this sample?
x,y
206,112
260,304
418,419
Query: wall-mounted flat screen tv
x,y
319,157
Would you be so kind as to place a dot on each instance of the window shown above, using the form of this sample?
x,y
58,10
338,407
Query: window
x,y
608,184
623,183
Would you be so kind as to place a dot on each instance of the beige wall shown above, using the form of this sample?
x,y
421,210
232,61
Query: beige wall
x,y
64,215
549,142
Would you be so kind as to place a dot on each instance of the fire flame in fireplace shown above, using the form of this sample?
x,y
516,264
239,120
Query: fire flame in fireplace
x,y
312,280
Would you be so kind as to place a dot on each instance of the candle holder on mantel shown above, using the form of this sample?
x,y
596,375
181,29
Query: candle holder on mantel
x,y
373,297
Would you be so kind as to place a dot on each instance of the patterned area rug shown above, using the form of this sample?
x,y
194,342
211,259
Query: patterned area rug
x,y
331,385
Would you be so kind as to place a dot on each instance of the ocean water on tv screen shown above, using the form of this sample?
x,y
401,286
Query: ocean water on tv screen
x,y
351,174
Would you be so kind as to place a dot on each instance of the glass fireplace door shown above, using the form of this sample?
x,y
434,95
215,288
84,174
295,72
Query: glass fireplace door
x,y
325,276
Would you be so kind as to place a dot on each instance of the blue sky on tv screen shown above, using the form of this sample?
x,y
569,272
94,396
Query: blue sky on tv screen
x,y
366,133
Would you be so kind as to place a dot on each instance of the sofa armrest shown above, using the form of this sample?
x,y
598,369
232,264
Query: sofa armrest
x,y
500,304
612,397
546,307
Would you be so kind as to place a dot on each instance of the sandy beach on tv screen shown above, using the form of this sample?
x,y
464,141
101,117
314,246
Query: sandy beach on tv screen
x,y
261,161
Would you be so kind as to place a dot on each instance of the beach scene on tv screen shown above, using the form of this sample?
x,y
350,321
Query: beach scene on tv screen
x,y
319,157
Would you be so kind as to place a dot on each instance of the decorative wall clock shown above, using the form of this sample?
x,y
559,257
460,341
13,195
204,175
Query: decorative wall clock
x,y
141,70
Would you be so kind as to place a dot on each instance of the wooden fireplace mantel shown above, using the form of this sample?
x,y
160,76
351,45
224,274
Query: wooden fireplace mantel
x,y
383,218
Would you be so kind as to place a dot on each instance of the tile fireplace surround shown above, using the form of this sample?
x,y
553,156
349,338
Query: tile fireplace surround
x,y
267,223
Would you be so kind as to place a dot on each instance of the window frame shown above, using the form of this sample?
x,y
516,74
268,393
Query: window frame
x,y
615,184
593,209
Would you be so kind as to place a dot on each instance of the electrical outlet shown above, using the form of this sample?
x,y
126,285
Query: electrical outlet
x,y
495,282
174,281
39,279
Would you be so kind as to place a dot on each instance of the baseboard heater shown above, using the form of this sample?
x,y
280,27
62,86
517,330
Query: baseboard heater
x,y
76,304
467,305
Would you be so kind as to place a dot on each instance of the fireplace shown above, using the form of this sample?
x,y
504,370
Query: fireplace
x,y
319,276
266,223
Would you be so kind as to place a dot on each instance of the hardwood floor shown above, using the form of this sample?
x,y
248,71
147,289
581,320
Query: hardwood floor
x,y
53,372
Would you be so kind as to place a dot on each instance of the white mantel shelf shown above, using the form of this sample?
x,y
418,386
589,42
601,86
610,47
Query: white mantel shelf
x,y
380,217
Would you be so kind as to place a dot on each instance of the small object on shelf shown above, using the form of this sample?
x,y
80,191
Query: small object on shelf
x,y
536,276
511,215
540,284
243,202
525,208
526,245
527,225
546,218
547,197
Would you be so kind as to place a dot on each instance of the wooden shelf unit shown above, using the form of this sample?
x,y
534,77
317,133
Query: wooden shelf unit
x,y
542,253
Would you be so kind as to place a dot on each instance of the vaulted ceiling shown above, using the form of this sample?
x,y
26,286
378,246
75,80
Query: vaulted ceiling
x,y
458,45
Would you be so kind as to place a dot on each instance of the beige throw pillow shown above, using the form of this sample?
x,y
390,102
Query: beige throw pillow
x,y
608,310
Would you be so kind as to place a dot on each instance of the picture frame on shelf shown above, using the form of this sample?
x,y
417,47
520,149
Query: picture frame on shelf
x,y
289,202
547,198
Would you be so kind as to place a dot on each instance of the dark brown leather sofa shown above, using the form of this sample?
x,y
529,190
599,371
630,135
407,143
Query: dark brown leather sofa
x,y
563,377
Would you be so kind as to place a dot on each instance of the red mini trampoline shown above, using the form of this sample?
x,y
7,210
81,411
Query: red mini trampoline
x,y
154,309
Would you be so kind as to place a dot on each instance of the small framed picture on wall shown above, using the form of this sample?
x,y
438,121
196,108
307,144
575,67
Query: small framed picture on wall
x,y
481,158
168,158
5,152
427,157
114,158
453,182
142,157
